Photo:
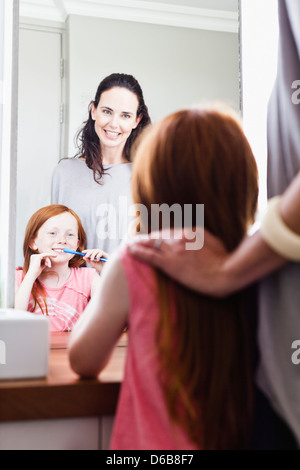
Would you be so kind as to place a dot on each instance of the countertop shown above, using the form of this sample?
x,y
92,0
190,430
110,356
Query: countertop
x,y
62,394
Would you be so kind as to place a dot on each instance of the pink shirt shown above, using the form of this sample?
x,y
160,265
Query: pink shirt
x,y
142,421
66,303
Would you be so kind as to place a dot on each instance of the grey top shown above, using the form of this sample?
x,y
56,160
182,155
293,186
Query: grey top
x,y
103,209
279,324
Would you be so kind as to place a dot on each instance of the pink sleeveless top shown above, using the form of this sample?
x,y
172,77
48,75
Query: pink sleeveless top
x,y
66,303
142,421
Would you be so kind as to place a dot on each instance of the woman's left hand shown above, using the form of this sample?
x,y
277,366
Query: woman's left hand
x,y
93,258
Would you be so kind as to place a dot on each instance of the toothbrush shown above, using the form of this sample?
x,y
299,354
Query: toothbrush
x,y
73,252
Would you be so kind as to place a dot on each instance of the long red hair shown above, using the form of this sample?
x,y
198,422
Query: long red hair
x,y
206,370
35,223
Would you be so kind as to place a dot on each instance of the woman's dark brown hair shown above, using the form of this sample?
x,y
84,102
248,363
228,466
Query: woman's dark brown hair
x,y
201,156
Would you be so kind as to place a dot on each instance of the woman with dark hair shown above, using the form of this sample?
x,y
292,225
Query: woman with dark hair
x,y
96,182
188,380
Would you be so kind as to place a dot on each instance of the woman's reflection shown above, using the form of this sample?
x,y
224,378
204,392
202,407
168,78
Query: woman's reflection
x,y
96,183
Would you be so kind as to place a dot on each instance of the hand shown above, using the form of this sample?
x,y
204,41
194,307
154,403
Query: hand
x,y
93,258
39,262
199,270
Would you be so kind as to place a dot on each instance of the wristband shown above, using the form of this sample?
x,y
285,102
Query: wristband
x,y
277,234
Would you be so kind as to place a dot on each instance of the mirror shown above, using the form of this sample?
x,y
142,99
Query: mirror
x,y
181,52
176,67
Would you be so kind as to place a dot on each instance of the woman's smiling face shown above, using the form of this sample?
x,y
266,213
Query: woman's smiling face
x,y
115,117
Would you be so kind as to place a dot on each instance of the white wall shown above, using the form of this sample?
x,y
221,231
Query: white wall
x,y
9,17
1,64
176,67
225,5
39,128
259,66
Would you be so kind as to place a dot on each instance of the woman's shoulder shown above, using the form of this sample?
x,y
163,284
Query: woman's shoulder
x,y
69,164
67,170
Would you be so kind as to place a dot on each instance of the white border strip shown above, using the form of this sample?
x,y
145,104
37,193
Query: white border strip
x,y
133,10
9,152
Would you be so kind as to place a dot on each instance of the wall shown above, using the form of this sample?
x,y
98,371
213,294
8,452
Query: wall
x,y
39,128
228,5
9,17
1,67
176,67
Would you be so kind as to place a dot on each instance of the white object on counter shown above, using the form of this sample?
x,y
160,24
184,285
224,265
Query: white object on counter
x,y
24,345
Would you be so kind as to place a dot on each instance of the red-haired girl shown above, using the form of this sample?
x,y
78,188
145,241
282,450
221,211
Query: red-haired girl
x,y
51,282
189,374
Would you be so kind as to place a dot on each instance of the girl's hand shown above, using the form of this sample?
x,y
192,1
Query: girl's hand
x,y
93,258
39,262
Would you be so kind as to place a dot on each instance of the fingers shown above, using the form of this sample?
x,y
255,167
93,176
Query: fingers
x,y
47,262
156,244
149,253
40,261
45,259
94,255
178,240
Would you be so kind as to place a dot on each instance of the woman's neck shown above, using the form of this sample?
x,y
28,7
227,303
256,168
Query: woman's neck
x,y
110,158
55,276
113,156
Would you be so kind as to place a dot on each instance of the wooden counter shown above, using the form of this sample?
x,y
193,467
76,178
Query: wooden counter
x,y
62,394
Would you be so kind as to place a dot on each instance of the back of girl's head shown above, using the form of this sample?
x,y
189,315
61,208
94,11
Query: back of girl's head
x,y
35,223
200,156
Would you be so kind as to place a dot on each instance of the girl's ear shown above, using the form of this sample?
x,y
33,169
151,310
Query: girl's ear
x,y
32,245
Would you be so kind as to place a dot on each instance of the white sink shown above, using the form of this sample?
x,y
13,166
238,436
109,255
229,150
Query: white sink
x,y
24,345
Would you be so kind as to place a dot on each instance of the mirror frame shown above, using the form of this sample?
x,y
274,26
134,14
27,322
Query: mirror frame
x,y
10,27
8,183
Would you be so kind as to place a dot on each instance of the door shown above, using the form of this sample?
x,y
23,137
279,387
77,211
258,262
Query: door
x,y
39,122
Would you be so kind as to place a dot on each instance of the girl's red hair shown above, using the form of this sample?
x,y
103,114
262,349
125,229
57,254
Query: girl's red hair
x,y
206,370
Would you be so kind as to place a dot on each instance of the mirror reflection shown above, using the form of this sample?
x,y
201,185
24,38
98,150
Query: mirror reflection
x,y
61,63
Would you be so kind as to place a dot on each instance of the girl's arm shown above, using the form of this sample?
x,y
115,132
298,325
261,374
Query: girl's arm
x,y
22,293
37,265
101,324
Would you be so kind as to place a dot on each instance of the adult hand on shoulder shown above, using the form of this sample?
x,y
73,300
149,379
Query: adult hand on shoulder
x,y
198,269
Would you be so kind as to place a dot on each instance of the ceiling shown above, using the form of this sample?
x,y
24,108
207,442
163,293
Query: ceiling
x,y
219,15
